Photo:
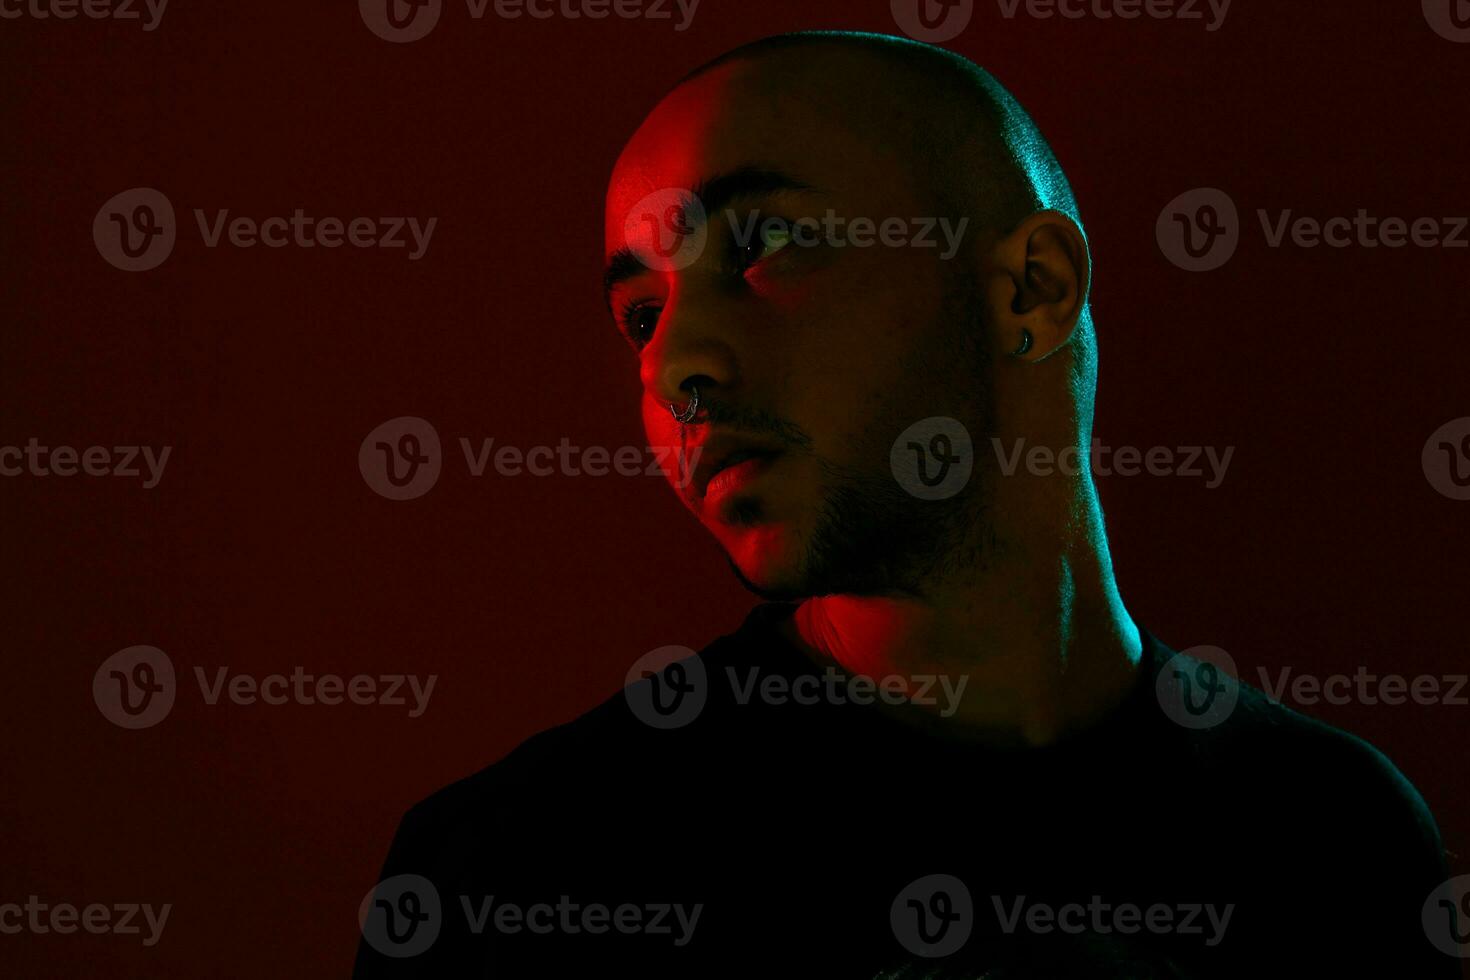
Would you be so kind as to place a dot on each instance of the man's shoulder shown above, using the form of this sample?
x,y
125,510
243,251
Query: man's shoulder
x,y
1268,750
579,760
596,736
1274,755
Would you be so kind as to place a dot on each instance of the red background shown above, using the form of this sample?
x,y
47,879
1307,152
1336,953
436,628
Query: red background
x,y
263,549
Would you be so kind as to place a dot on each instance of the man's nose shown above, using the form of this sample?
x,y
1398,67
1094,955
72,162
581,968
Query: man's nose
x,y
691,347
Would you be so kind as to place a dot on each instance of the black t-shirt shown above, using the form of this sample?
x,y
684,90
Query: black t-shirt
x,y
761,822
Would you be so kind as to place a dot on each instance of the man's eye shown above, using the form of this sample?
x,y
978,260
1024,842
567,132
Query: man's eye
x,y
767,242
638,321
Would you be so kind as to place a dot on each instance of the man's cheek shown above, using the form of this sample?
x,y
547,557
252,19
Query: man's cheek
x,y
658,422
672,463
663,455
794,279
678,466
653,426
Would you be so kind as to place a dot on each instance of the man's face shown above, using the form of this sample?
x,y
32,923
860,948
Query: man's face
x,y
808,351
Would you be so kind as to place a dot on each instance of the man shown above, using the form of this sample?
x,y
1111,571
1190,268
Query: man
x,y
943,747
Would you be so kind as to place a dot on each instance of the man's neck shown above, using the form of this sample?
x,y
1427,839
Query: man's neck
x,y
1039,639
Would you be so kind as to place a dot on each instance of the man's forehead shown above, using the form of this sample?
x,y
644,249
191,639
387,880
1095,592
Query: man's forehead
x,y
743,115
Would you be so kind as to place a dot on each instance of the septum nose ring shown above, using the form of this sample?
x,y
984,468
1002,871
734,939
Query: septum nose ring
x,y
690,410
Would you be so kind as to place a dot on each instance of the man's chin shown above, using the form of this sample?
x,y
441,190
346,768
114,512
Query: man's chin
x,y
768,562
771,590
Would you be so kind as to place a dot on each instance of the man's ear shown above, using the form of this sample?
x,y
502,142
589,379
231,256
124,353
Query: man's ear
x,y
1038,279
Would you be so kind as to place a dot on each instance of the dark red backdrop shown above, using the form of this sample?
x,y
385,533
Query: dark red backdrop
x,y
262,548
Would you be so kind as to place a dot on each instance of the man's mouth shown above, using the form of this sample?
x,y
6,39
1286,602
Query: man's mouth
x,y
738,471
729,463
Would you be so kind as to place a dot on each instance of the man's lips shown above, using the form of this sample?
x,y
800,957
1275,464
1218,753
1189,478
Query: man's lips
x,y
733,459
736,474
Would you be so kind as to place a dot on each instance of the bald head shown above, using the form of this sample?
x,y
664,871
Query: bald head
x,y
828,348
970,141
969,146
967,134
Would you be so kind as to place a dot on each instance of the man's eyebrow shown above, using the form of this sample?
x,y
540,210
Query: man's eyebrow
x,y
714,194
622,266
718,192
